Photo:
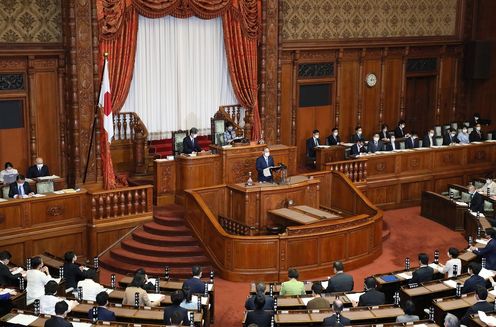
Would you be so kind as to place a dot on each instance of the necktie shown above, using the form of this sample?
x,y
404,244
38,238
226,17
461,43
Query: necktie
x,y
316,142
267,161
21,191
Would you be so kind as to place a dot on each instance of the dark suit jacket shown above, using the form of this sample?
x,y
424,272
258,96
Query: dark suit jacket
x,y
190,146
196,286
383,135
398,132
169,311
331,140
259,317
72,275
340,283
13,190
250,303
423,274
311,147
33,172
372,297
389,146
471,284
447,139
261,165
475,137
371,147
355,138
331,321
104,314
411,144
355,150
489,252
6,277
476,203
55,321
479,306
426,142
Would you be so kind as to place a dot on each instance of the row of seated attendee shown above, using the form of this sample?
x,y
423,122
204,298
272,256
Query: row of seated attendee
x,y
39,169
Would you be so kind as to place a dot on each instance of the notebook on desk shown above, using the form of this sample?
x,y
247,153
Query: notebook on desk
x,y
389,278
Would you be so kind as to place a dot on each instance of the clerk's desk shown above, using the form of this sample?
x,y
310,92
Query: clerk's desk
x,y
456,305
37,185
326,153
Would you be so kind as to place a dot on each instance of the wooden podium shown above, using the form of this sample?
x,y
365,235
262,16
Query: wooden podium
x,y
326,154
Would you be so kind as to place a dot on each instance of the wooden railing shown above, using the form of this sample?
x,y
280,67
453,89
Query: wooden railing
x,y
356,169
118,203
236,228
232,113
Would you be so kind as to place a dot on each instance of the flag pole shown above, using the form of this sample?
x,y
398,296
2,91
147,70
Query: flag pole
x,y
93,129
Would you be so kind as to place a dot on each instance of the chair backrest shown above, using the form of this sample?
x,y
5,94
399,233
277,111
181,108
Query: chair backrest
x,y
438,141
454,125
454,192
438,131
44,187
421,143
488,206
177,141
402,145
446,128
478,184
5,192
218,126
470,129
466,123
465,197
489,136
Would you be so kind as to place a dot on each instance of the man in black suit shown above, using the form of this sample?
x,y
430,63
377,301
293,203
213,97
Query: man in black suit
x,y
450,137
476,134
392,145
371,296
337,307
357,148
103,314
340,282
259,316
489,251
412,141
358,136
195,284
474,280
177,297
428,140
375,145
59,319
6,276
424,273
476,203
260,289
480,305
190,144
73,273
263,162
20,189
38,169
384,133
311,143
334,138
399,132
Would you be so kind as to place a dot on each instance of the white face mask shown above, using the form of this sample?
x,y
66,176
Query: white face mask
x,y
266,154
478,129
392,140
335,133
194,136
376,139
464,131
359,133
316,136
431,134
39,166
230,128
402,126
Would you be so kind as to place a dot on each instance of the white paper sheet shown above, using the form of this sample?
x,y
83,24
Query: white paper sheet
x,y
266,172
354,297
325,284
204,300
109,290
38,195
305,300
450,283
6,290
488,320
435,266
481,241
22,319
462,204
155,297
17,271
152,280
405,275
210,286
475,214
81,324
486,273
2,200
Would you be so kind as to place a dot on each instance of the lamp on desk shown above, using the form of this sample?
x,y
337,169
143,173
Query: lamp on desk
x,y
288,203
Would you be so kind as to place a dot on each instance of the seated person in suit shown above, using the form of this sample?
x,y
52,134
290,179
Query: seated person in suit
x,y
357,148
451,263
311,143
480,305
103,314
6,276
409,315
371,296
463,136
375,145
334,138
451,320
340,282
229,134
48,301
392,145
195,284
38,169
259,316
89,286
490,184
337,318
260,290
20,189
424,273
450,137
136,286
399,132
476,203
8,170
476,135
412,142
384,133
263,162
474,280
489,251
292,286
358,136
73,273
318,302
190,144
176,298
428,140
58,320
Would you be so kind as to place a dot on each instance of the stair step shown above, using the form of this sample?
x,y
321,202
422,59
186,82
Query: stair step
x,y
161,229
153,261
164,240
169,221
147,249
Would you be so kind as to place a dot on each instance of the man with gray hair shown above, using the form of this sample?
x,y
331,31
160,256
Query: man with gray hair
x,y
451,321
260,289
337,307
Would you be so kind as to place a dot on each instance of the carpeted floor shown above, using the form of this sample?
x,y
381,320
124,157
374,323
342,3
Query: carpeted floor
x,y
410,235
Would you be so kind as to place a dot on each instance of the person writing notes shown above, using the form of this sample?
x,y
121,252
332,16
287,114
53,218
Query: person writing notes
x,y
264,163
190,144
20,189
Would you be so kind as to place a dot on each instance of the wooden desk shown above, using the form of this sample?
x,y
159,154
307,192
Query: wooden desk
x,y
476,322
454,305
324,154
443,210
286,214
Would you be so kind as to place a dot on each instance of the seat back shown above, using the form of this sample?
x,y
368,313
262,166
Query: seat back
x,y
488,206
454,125
478,183
438,141
177,141
402,145
5,192
455,193
465,197
421,143
438,131
489,136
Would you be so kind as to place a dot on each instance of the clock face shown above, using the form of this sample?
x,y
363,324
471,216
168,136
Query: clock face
x,y
371,79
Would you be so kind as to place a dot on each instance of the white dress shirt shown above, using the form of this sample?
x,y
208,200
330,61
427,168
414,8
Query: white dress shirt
x,y
36,281
5,172
448,268
90,289
47,304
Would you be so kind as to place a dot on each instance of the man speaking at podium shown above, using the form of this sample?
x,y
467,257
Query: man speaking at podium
x,y
264,165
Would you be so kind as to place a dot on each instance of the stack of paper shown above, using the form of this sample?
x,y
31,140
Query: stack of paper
x,y
450,283
305,300
354,297
486,273
488,320
22,319
405,275
155,297
204,300
463,204
481,241
325,284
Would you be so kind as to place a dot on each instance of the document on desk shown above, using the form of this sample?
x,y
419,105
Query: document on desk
x,y
462,204
6,290
486,273
325,283
155,297
435,266
481,241
488,320
204,299
22,319
38,195
80,324
2,200
354,297
405,275
450,283
17,271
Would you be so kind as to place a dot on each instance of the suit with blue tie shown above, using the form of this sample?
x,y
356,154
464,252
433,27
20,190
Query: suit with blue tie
x,y
262,163
15,189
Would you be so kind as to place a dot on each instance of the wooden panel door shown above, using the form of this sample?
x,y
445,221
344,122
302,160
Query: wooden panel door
x,y
14,142
308,119
420,103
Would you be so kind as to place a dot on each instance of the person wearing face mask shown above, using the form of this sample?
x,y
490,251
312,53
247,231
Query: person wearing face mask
x,y
357,148
428,140
358,136
229,134
462,136
334,139
476,203
392,145
412,142
476,135
312,143
190,144
264,161
20,189
384,134
450,137
375,145
399,132
9,170
38,169
490,184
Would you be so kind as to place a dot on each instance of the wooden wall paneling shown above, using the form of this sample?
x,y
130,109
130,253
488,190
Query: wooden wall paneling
x,y
15,142
347,82
62,115
244,258
371,95
393,82
286,121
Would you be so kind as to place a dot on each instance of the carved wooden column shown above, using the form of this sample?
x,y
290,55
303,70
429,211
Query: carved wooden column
x,y
32,111
63,150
